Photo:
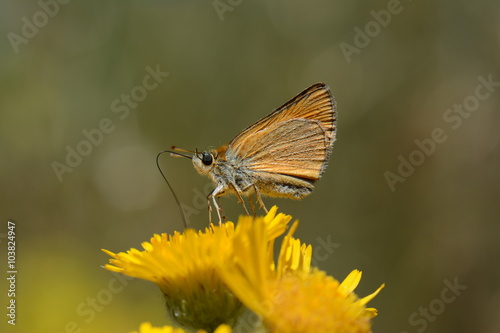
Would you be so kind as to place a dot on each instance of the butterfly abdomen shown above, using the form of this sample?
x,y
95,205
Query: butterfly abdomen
x,y
284,186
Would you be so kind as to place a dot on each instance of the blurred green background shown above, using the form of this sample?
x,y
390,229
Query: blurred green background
x,y
65,68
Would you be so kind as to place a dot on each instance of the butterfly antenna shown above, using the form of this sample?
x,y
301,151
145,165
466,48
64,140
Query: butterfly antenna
x,y
182,150
169,186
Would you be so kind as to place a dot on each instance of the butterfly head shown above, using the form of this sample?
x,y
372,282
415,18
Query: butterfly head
x,y
204,161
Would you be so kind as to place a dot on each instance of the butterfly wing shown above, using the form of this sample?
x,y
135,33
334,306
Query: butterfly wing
x,y
294,140
295,147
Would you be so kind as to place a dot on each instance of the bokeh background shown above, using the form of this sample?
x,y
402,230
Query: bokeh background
x,y
228,65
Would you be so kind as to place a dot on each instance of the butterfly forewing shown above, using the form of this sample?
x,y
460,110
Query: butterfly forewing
x,y
294,140
315,103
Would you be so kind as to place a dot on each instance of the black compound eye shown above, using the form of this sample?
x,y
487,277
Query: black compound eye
x,y
207,159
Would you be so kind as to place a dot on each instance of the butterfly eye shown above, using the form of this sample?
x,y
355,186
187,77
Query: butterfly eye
x,y
207,159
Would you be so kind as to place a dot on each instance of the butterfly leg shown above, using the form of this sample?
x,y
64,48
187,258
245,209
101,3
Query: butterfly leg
x,y
258,196
252,205
209,210
220,210
238,193
214,195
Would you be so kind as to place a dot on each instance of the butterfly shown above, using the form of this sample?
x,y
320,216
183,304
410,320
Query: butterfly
x,y
281,155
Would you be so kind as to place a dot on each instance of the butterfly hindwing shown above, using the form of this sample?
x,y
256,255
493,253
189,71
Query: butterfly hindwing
x,y
296,147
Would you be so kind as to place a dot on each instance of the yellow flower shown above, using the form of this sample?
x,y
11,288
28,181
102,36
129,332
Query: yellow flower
x,y
183,265
148,328
289,295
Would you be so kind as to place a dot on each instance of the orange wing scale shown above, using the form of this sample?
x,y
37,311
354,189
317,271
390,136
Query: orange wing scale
x,y
294,140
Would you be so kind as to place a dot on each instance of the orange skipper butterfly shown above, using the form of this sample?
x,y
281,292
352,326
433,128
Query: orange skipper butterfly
x,y
281,155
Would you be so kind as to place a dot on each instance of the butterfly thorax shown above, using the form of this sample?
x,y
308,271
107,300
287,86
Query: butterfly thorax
x,y
229,174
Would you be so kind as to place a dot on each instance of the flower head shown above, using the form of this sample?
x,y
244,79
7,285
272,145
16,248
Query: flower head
x,y
289,294
148,328
183,265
